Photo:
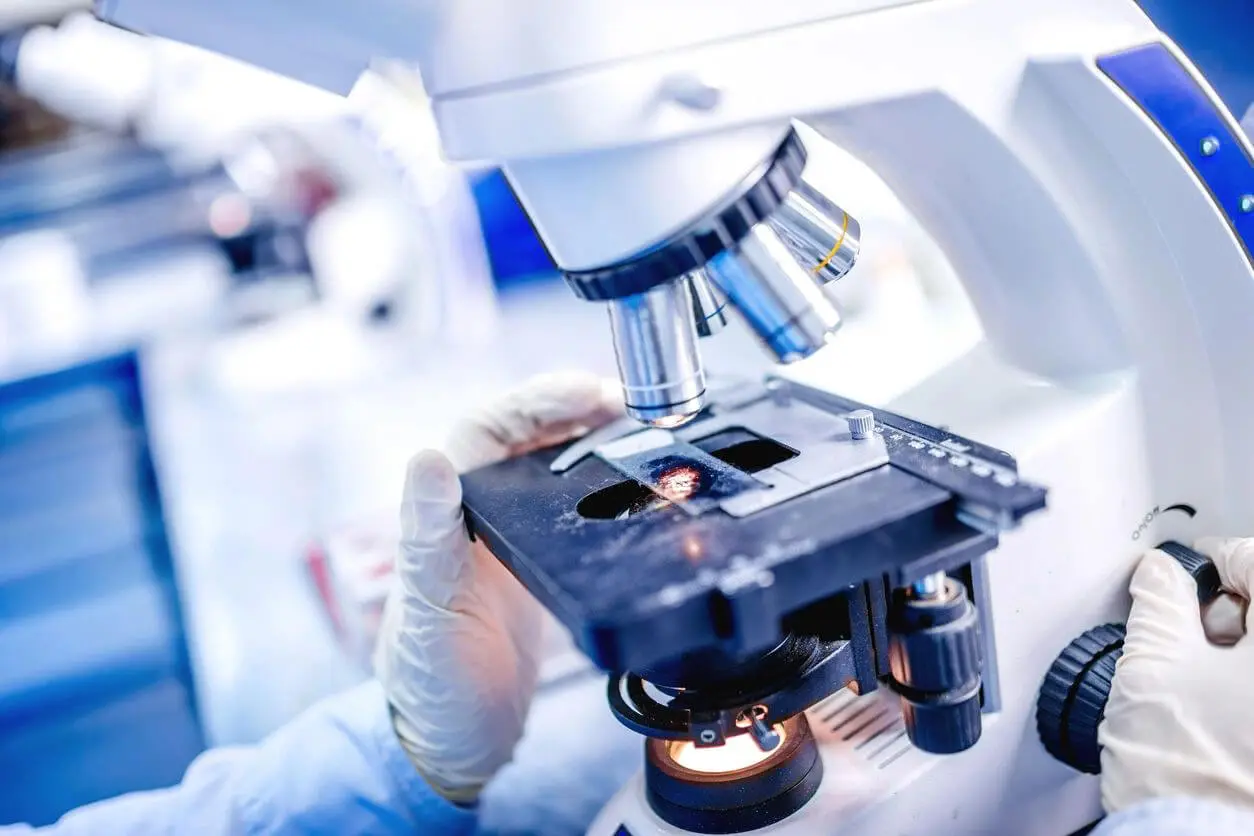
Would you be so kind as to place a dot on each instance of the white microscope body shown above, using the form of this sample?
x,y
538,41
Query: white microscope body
x,y
1097,234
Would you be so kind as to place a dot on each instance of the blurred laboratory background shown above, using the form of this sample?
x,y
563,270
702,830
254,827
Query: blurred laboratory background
x,y
231,307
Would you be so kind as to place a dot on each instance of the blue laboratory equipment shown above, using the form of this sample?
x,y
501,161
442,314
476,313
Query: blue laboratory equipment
x,y
96,692
1216,36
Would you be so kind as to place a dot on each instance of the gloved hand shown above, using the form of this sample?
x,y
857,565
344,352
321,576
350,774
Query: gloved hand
x,y
1178,719
457,653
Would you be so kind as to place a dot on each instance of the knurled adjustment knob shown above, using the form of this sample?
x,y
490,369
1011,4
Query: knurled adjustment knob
x,y
935,656
1072,701
1200,568
861,423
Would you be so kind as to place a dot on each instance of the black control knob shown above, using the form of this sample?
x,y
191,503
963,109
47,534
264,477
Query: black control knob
x,y
1073,697
1072,701
934,653
1200,567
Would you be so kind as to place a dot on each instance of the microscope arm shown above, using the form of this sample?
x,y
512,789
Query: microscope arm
x,y
325,43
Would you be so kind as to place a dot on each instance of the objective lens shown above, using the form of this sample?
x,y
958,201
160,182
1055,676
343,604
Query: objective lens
x,y
655,339
708,305
786,309
824,238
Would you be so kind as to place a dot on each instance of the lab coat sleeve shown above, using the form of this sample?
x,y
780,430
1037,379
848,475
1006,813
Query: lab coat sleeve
x,y
1179,817
336,769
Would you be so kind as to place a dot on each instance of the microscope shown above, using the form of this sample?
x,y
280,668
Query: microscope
x,y
825,616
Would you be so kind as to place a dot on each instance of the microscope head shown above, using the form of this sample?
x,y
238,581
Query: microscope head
x,y
767,250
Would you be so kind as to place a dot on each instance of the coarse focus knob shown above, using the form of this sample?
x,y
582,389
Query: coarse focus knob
x,y
934,654
1072,701
1073,697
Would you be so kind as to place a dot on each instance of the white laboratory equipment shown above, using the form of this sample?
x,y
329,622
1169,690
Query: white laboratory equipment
x,y
1091,192
400,241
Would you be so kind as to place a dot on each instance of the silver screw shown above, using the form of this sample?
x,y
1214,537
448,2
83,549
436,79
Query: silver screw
x,y
861,423
707,736
1210,146
1247,203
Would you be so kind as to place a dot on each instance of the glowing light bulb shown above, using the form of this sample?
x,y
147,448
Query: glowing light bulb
x,y
739,752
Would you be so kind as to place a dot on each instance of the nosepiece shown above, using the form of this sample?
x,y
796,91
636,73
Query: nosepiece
x,y
655,340
766,250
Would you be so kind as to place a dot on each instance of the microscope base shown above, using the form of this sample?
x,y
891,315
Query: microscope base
x,y
871,783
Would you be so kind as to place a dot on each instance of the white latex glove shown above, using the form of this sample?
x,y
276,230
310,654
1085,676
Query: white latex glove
x,y
458,648
1178,722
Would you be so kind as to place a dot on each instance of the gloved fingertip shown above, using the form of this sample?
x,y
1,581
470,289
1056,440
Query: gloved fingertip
x,y
612,399
1159,574
563,378
430,476
557,384
1234,559
1212,546
567,395
1164,603
470,446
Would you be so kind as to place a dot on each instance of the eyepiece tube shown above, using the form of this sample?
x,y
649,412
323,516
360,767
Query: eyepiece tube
x,y
708,305
781,302
655,339
824,238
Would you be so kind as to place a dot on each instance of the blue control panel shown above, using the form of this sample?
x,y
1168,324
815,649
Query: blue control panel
x,y
1197,125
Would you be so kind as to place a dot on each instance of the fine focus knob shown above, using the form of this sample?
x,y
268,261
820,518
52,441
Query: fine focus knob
x,y
934,654
1072,701
1073,697
1200,567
